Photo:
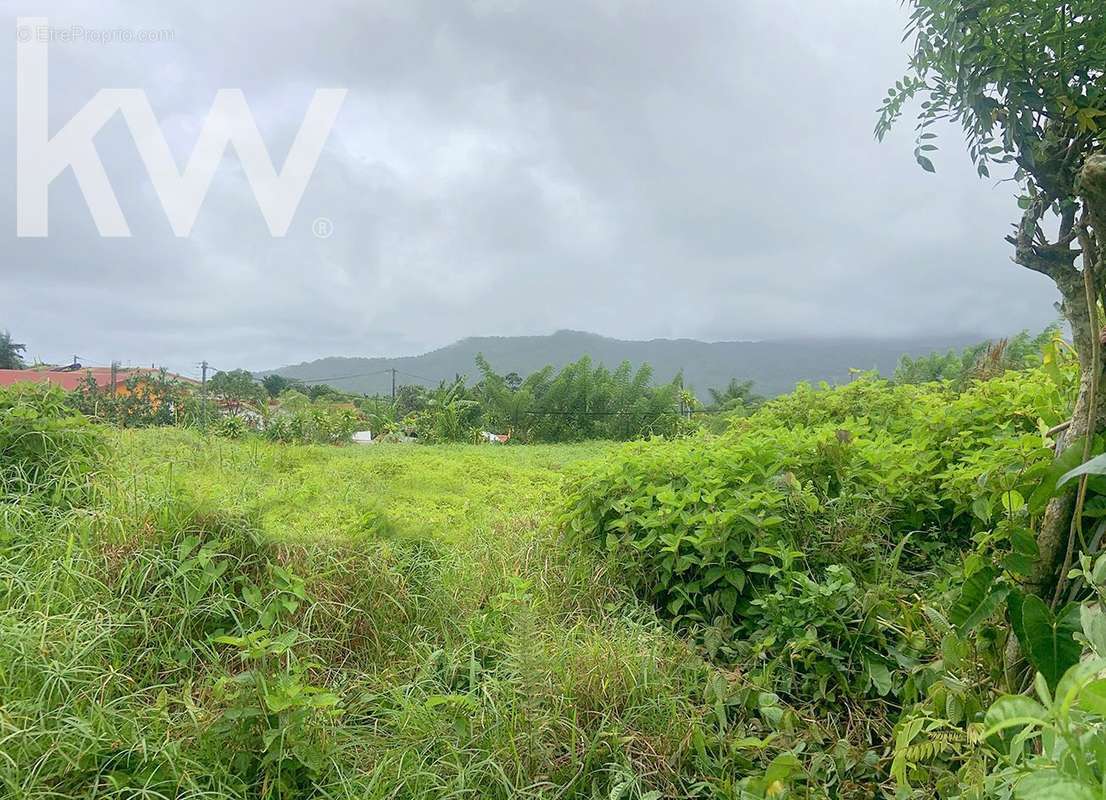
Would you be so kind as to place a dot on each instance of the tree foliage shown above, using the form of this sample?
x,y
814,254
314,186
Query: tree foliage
x,y
276,384
982,360
144,399
11,352
581,401
735,395
235,388
1023,79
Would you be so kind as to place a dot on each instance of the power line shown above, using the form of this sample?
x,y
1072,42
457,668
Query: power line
x,y
623,413
360,375
417,377
336,377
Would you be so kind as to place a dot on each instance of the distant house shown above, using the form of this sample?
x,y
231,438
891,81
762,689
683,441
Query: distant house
x,y
70,379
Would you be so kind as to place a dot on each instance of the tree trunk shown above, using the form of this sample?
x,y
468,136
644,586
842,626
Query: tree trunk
x,y
1055,539
1052,539
1055,533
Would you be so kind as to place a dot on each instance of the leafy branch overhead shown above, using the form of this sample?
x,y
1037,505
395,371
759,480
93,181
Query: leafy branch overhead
x,y
1024,81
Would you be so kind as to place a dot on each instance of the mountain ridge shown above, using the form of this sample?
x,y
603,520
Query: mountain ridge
x,y
774,365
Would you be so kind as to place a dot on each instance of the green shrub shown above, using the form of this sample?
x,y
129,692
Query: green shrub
x,y
313,425
150,399
48,453
231,426
778,539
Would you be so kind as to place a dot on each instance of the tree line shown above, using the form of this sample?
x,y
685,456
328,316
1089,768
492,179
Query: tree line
x,y
580,401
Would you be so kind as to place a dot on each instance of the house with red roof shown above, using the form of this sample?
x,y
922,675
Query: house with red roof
x,y
69,378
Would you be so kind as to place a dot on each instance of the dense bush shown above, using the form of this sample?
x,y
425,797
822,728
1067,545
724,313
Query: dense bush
x,y
982,360
780,539
861,552
230,426
312,424
1050,741
148,399
581,401
446,415
48,453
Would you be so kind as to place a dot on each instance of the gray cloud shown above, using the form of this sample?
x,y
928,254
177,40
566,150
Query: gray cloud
x,y
637,169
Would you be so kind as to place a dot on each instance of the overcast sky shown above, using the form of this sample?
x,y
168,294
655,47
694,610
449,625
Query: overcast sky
x,y
637,169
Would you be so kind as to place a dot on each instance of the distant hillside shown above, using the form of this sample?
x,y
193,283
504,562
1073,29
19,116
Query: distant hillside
x,y
774,366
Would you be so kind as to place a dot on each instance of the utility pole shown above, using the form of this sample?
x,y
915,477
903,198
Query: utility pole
x,y
203,395
393,386
113,393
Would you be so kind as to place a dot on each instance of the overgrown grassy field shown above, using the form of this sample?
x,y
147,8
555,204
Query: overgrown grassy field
x,y
448,492
814,603
248,619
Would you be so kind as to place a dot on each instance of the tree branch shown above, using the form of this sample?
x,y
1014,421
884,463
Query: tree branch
x,y
1053,259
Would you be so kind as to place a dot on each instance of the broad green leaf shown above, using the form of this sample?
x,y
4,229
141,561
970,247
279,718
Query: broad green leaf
x,y
1066,461
1093,621
981,507
1098,571
782,767
1019,564
1012,501
1096,466
1040,685
1014,612
1048,784
1024,552
1072,684
976,600
1051,638
880,677
1023,540
1093,698
985,608
1013,710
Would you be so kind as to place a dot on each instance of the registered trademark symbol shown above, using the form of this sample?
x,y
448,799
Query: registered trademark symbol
x,y
323,228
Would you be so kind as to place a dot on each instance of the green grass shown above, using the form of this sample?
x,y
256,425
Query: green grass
x,y
305,492
245,619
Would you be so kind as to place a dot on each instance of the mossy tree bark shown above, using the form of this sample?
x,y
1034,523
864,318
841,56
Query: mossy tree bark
x,y
1081,293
